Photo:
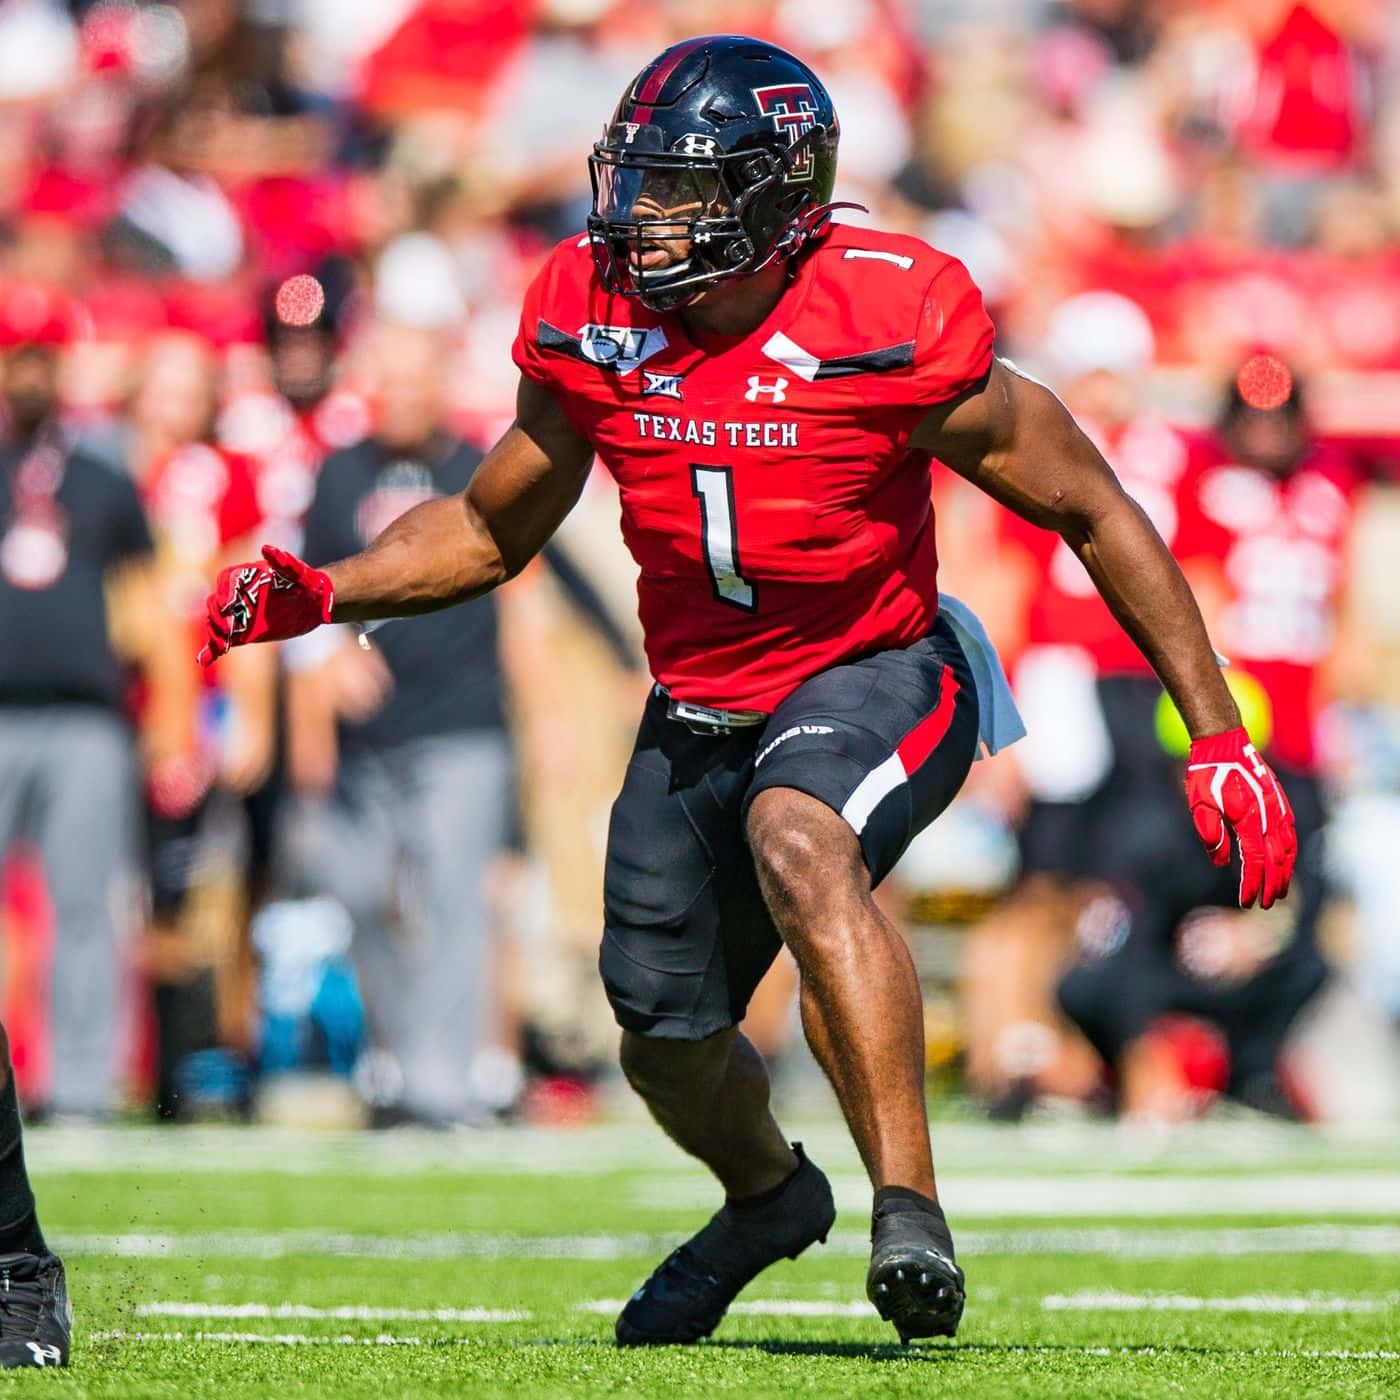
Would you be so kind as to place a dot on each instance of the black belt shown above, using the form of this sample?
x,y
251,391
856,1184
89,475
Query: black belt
x,y
706,719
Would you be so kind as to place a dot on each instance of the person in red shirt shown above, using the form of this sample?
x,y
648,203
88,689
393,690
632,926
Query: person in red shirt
x,y
203,508
1265,515
1264,538
285,430
768,390
1091,766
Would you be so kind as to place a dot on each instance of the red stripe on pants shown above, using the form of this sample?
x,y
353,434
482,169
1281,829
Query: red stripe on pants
x,y
926,736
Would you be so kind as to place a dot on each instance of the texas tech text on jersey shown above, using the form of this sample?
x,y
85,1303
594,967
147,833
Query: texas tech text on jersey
x,y
800,533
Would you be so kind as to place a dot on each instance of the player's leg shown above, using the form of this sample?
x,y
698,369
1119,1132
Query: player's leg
x,y
37,1319
861,1006
37,1333
851,766
711,1098
687,938
35,1330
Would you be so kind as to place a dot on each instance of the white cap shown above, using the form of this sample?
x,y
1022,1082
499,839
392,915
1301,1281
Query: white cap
x,y
1097,331
416,283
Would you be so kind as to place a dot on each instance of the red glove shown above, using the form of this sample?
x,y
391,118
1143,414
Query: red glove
x,y
264,603
1229,785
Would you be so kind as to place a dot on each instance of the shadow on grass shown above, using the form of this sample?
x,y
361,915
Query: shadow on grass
x,y
927,1353
946,1352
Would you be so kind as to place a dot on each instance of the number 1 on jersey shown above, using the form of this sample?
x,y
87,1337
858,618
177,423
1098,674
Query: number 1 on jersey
x,y
714,489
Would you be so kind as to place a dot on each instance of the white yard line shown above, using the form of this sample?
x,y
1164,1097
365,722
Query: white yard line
x,y
1108,1300
1149,1243
283,1339
253,1244
1237,1145
301,1339
1186,1242
1087,1300
353,1313
1101,1195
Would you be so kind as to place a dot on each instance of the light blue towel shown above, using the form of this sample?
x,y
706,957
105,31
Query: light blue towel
x,y
999,723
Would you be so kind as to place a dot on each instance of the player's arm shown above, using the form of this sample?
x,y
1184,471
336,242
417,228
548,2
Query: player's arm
x,y
1015,440
439,553
448,550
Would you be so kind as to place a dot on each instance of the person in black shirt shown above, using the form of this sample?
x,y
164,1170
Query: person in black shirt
x,y
67,774
406,748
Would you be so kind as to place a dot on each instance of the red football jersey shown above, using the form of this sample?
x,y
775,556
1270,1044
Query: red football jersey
x,y
1282,544
780,520
200,501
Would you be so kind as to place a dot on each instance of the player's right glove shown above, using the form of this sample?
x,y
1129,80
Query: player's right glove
x,y
1230,786
268,602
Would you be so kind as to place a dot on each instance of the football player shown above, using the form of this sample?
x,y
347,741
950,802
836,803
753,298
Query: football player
x,y
768,388
1266,519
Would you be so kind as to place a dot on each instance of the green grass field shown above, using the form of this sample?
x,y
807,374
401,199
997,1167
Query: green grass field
x,y
1239,1259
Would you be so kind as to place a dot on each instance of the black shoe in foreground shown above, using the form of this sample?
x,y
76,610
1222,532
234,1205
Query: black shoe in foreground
x,y
913,1280
36,1318
691,1289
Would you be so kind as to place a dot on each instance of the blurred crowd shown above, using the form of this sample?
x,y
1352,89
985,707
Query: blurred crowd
x,y
261,264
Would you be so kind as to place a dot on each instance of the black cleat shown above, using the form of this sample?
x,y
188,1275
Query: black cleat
x,y
36,1318
690,1290
913,1280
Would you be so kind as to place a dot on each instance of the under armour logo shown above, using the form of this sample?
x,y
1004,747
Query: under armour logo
x,y
45,1356
773,393
693,144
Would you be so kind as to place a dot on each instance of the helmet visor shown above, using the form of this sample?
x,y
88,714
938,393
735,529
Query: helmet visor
x,y
666,224
632,189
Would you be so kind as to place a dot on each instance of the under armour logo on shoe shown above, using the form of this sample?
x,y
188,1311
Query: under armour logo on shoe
x,y
45,1356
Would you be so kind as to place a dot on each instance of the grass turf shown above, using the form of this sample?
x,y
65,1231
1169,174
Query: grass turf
x,y
364,1259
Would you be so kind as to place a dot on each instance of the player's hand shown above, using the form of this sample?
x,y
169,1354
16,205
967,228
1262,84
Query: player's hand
x,y
1230,787
268,602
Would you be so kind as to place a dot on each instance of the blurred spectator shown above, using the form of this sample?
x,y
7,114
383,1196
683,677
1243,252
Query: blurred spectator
x,y
1232,169
285,430
175,218
403,755
202,504
1263,536
1099,785
67,758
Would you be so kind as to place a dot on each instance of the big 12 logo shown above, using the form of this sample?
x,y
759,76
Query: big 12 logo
x,y
792,108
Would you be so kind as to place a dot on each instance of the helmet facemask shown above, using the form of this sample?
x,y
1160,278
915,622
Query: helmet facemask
x,y
698,219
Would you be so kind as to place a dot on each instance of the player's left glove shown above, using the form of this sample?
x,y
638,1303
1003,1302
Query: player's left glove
x,y
1230,786
267,602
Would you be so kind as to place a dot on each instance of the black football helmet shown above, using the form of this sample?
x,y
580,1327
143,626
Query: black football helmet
x,y
723,148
